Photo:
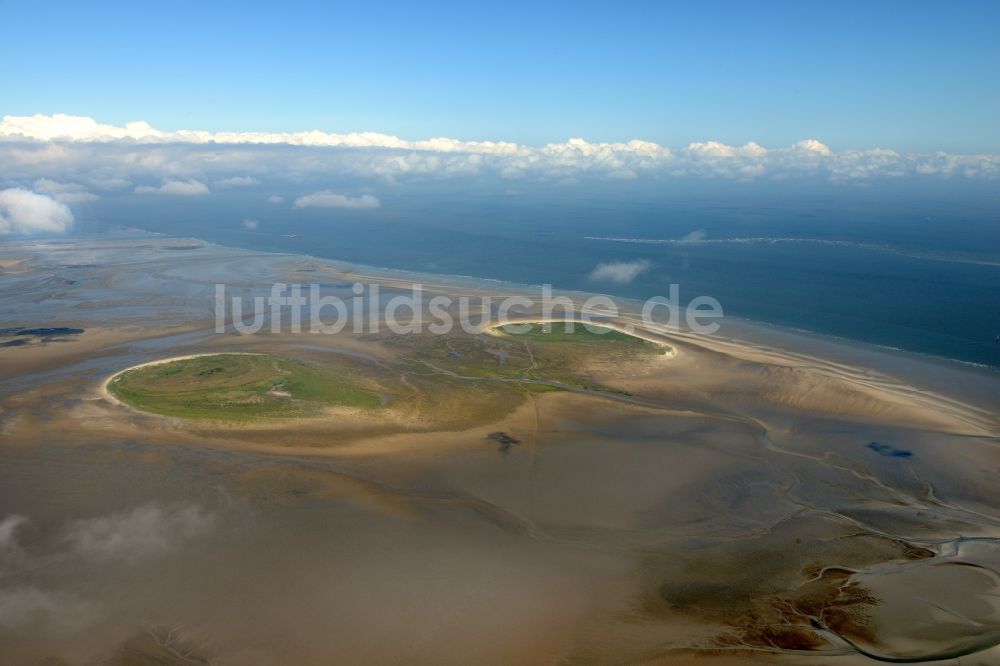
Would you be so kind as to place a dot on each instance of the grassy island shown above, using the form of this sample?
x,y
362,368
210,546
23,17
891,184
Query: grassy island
x,y
239,387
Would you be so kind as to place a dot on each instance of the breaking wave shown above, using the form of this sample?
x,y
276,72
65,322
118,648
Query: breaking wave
x,y
699,240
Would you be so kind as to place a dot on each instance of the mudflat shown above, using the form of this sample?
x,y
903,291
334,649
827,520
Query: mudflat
x,y
178,495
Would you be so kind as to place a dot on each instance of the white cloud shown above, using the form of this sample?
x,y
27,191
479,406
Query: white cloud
x,y
328,199
26,212
27,606
714,149
250,224
145,531
694,237
619,272
10,550
813,146
79,149
138,537
61,126
67,193
24,605
110,183
275,199
237,181
186,188
8,531
75,197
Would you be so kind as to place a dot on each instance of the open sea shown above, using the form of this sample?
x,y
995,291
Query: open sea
x,y
906,270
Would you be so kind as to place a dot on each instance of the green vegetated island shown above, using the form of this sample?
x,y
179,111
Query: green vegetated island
x,y
238,387
447,378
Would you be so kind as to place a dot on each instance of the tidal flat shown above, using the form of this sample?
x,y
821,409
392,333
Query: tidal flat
x,y
751,497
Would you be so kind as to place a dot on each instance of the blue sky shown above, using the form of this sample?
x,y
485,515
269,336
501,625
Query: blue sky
x,y
911,76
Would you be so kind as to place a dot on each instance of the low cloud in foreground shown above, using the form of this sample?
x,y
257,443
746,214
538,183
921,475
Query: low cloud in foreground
x,y
328,199
142,532
619,272
25,212
27,606
31,599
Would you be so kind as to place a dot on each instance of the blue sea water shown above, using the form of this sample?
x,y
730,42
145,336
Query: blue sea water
x,y
918,271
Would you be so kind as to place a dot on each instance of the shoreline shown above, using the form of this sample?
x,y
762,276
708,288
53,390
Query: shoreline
x,y
905,374
365,272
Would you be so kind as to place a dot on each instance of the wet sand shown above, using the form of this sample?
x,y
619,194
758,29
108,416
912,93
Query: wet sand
x,y
774,500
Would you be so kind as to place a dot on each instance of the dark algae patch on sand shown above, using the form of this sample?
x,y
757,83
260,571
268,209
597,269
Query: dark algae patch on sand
x,y
888,450
20,337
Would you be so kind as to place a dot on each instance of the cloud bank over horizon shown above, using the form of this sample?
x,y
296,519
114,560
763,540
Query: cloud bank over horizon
x,y
79,148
